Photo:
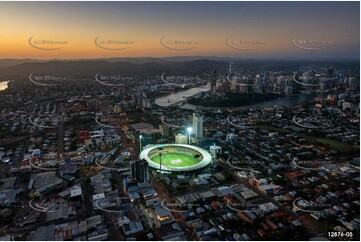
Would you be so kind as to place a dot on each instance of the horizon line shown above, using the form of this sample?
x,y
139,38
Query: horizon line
x,y
192,56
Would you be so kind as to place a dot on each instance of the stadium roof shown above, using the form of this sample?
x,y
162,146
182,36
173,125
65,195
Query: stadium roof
x,y
207,158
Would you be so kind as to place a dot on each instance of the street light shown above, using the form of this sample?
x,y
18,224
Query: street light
x,y
140,143
189,129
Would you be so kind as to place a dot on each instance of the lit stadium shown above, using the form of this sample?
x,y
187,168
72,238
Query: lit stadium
x,y
175,157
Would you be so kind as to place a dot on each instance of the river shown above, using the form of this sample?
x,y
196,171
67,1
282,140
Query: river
x,y
284,101
180,96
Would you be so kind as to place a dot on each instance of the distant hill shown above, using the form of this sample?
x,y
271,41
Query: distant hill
x,y
14,62
90,67
82,68
20,68
135,60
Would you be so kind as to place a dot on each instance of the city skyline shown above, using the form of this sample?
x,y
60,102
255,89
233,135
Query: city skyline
x,y
259,30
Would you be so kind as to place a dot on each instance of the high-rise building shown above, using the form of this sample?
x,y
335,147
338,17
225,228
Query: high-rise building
x,y
234,86
197,125
139,170
305,77
289,90
140,98
352,83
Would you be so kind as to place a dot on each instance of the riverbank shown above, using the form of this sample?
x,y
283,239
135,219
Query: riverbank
x,y
175,98
287,101
231,99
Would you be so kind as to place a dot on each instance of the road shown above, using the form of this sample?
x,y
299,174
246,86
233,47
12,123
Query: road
x,y
61,133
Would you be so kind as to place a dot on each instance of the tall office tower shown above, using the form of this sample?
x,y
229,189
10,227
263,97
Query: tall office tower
x,y
197,125
214,81
234,86
140,98
305,77
258,84
288,90
230,67
139,170
352,83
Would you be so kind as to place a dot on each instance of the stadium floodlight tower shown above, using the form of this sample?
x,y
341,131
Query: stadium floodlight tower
x,y
140,143
189,129
160,148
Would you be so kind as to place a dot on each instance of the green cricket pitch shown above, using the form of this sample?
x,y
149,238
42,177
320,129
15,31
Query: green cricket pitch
x,y
167,158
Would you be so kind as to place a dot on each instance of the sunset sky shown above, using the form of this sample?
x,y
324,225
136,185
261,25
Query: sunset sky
x,y
209,24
